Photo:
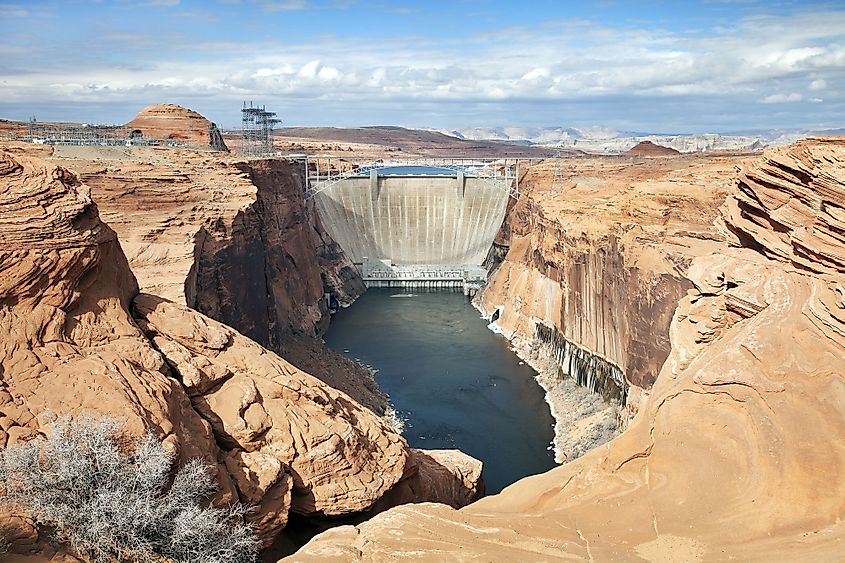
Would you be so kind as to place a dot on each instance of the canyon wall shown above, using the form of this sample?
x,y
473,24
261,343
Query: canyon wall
x,y
594,269
232,239
77,336
734,454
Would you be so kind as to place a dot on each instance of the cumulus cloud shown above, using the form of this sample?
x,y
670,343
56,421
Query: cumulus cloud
x,y
817,85
763,59
782,98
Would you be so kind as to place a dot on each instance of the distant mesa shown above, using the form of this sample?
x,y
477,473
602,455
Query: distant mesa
x,y
647,148
172,122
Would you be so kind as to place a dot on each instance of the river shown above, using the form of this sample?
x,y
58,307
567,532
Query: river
x,y
456,384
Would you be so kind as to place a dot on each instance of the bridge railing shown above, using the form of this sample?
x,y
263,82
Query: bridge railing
x,y
323,173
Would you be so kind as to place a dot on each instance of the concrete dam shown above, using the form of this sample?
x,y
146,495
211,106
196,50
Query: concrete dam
x,y
415,225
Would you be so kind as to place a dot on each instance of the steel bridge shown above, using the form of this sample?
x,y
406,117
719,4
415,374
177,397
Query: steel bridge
x,y
324,172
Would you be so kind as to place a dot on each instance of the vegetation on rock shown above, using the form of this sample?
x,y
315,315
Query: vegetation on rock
x,y
106,497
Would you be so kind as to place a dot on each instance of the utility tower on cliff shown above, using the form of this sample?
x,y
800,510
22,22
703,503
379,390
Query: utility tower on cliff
x,y
257,130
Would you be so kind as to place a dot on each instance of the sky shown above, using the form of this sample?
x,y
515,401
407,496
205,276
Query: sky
x,y
650,66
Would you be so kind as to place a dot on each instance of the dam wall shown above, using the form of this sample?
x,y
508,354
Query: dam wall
x,y
431,220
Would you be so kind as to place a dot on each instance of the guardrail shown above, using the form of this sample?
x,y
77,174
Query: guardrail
x,y
501,173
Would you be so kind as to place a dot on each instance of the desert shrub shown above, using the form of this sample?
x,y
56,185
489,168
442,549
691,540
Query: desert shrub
x,y
108,499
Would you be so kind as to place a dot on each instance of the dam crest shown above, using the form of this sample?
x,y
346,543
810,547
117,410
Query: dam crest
x,y
414,223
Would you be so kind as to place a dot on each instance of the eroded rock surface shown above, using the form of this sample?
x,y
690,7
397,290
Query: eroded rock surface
x,y
172,122
67,342
592,274
341,456
232,239
731,455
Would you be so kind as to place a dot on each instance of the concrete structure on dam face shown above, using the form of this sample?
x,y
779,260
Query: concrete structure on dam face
x,y
436,219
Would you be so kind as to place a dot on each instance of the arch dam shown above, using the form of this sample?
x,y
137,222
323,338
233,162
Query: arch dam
x,y
414,223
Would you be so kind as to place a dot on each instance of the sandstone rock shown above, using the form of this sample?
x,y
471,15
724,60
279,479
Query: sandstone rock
x,y
446,476
647,148
342,458
791,206
234,240
591,277
171,122
67,342
265,484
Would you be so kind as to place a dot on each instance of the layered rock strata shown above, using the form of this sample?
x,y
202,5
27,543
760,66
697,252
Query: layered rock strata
x,y
233,240
67,342
594,268
172,122
718,463
290,442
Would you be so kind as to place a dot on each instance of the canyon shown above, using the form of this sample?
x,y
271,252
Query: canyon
x,y
716,463
685,314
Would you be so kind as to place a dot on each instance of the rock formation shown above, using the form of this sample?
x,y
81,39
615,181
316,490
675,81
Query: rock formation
x,y
593,272
67,342
731,456
233,240
171,122
290,442
647,148
276,436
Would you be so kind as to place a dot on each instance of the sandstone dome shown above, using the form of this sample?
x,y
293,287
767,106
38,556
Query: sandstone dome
x,y
647,148
172,122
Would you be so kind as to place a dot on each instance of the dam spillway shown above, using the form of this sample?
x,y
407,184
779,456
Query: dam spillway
x,y
414,224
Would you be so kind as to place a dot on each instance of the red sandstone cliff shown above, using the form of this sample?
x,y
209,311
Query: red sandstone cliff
x,y
232,239
593,273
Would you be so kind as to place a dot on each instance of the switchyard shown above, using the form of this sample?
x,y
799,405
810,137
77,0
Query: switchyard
x,y
257,125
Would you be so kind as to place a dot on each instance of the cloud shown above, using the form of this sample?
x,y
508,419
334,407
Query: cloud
x,y
714,75
782,98
285,5
13,11
817,85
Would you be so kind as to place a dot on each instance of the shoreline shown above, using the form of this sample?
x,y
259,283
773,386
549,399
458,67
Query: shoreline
x,y
582,419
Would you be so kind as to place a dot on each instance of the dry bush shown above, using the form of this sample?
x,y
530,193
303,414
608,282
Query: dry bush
x,y
107,503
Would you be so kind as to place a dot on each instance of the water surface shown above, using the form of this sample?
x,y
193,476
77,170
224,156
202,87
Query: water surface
x,y
455,383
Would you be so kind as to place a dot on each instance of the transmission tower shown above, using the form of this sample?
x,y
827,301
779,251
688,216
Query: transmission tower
x,y
256,130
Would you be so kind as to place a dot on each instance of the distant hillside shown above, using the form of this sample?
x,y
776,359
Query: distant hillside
x,y
647,148
432,143
603,139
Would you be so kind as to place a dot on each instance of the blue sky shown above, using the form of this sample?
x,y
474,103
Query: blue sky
x,y
714,65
